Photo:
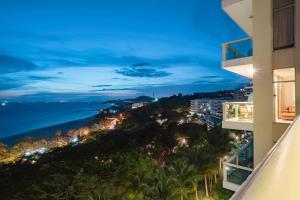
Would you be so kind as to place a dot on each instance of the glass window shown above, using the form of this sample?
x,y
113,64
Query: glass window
x,y
283,24
284,94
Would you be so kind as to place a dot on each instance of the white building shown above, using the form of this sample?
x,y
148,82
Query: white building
x,y
270,56
202,107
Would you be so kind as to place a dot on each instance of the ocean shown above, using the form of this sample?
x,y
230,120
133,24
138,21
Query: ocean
x,y
17,118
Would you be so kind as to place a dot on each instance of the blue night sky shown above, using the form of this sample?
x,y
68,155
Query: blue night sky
x,y
85,49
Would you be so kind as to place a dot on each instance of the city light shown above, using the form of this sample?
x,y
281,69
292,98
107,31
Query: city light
x,y
182,142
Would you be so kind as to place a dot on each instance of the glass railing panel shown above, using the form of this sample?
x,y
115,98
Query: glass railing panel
x,y
236,175
280,165
238,49
245,155
234,111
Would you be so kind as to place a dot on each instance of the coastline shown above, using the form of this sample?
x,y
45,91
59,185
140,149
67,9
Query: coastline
x,y
48,131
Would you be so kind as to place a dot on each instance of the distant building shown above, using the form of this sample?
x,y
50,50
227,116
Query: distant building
x,y
203,107
138,105
216,107
243,94
213,121
200,106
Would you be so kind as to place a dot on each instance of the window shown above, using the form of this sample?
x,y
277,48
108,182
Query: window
x,y
283,24
284,94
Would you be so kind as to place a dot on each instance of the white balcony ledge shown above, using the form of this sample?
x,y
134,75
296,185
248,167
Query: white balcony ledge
x,y
238,116
277,176
238,125
237,57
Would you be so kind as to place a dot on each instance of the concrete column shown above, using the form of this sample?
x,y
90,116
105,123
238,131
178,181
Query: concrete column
x,y
262,79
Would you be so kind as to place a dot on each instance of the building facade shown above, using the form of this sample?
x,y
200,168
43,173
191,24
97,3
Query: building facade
x,y
270,56
200,106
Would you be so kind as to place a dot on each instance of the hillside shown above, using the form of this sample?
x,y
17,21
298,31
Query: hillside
x,y
156,152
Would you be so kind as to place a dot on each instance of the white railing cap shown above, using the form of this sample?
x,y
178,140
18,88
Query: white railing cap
x,y
277,176
237,41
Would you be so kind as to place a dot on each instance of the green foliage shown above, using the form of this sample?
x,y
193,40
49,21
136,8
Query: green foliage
x,y
221,193
141,159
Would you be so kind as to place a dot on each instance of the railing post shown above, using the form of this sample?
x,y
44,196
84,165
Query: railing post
x,y
224,172
224,49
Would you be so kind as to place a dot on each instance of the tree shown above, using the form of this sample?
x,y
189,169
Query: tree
x,y
162,187
102,194
195,182
138,178
182,174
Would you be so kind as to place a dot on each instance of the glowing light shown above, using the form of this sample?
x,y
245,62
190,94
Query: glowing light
x,y
252,70
41,150
74,140
27,153
182,141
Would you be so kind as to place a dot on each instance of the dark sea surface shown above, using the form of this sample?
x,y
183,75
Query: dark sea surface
x,y
17,118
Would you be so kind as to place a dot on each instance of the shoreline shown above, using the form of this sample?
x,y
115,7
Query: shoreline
x,y
47,131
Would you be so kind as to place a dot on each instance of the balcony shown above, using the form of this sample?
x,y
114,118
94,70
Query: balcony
x,y
237,57
238,165
238,116
234,175
277,176
241,12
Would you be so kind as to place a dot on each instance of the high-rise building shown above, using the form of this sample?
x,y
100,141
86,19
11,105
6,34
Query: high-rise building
x,y
270,55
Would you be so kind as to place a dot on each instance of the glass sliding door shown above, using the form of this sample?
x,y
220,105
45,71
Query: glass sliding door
x,y
284,94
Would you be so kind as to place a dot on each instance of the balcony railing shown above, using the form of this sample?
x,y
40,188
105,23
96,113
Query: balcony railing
x,y
277,176
238,111
238,165
237,49
235,174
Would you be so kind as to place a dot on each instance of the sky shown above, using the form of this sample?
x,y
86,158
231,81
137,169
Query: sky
x,y
59,50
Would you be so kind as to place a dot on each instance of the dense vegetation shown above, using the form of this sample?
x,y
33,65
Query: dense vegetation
x,y
156,153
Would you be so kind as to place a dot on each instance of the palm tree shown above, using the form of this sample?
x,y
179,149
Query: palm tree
x,y
106,194
203,159
182,174
103,194
195,180
138,179
162,186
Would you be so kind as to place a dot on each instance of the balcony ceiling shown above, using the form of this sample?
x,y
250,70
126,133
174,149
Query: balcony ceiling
x,y
241,12
241,66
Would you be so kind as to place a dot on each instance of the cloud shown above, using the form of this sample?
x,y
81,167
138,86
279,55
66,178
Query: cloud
x,y
210,77
64,62
101,85
42,78
8,83
122,79
30,36
68,96
141,64
9,64
111,89
142,70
